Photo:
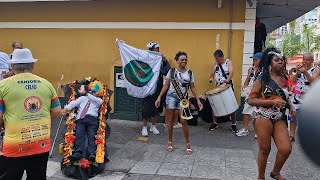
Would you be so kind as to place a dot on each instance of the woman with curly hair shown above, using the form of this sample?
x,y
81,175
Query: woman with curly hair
x,y
270,96
181,78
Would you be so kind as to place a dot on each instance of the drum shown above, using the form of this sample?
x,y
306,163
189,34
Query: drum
x,y
222,100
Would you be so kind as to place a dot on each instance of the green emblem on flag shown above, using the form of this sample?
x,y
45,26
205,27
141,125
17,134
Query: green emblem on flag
x,y
138,73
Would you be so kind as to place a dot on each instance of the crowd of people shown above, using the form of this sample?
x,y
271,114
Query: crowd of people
x,y
273,96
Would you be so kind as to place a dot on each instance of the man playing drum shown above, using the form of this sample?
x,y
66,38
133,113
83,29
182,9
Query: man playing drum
x,y
222,73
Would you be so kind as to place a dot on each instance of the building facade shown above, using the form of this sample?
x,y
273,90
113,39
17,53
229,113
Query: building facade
x,y
77,39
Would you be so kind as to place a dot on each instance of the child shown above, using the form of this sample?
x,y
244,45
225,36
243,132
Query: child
x,y
86,121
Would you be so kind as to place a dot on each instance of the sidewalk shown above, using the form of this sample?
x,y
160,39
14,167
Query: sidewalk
x,y
216,154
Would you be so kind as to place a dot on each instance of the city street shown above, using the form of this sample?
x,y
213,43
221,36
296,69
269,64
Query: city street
x,y
216,155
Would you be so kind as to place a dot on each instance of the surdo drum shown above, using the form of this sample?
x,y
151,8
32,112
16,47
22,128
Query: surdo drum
x,y
222,100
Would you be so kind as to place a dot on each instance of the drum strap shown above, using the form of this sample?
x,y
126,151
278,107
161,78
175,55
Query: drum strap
x,y
225,76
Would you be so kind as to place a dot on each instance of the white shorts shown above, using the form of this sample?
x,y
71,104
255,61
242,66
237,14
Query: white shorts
x,y
247,109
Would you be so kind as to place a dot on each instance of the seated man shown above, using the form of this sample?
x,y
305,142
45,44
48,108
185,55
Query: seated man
x,y
86,122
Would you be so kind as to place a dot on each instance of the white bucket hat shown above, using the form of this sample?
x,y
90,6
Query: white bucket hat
x,y
22,56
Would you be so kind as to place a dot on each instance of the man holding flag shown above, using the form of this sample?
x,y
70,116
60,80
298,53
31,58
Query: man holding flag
x,y
143,71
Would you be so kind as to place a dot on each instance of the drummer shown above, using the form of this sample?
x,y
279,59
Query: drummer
x,y
253,73
222,72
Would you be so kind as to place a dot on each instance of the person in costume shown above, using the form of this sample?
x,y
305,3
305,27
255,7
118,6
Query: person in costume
x,y
149,110
222,72
178,79
252,75
86,120
271,97
301,80
28,104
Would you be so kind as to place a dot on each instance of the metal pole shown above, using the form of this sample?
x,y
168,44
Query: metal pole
x,y
55,138
230,28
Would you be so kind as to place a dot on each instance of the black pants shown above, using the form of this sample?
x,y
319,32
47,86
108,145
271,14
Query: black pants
x,y
12,168
87,126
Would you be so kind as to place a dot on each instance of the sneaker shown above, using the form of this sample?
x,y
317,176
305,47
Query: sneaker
x,y
75,157
255,136
179,125
213,126
154,129
234,128
242,132
165,125
92,158
144,131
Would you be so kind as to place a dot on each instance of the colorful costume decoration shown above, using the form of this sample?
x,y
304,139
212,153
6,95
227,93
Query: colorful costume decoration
x,y
271,90
84,169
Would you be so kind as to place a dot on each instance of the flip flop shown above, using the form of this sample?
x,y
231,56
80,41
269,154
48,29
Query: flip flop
x,y
275,176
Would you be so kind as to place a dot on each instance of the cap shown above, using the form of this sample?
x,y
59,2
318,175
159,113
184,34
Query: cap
x,y
152,45
257,56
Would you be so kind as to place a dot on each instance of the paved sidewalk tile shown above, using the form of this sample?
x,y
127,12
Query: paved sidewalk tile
x,y
155,153
52,168
178,155
217,155
110,176
120,165
241,162
210,172
174,169
145,168
241,173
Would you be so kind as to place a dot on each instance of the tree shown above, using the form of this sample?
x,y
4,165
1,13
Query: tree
x,y
309,39
270,43
290,45
292,26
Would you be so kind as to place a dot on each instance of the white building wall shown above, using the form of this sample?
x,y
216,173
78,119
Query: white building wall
x,y
250,20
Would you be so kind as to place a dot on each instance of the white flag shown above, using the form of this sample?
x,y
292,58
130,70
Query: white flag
x,y
141,69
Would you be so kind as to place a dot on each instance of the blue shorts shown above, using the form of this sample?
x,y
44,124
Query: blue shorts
x,y
172,101
294,120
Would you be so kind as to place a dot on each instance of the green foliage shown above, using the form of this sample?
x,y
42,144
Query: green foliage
x,y
309,39
270,43
290,45
292,25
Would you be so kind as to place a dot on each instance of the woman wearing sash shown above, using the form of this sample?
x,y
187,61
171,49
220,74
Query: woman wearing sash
x,y
178,81
270,96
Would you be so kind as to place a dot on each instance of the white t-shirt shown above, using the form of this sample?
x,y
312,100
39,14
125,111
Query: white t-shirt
x,y
220,79
302,86
183,79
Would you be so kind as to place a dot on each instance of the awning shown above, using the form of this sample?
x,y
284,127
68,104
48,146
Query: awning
x,y
275,13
